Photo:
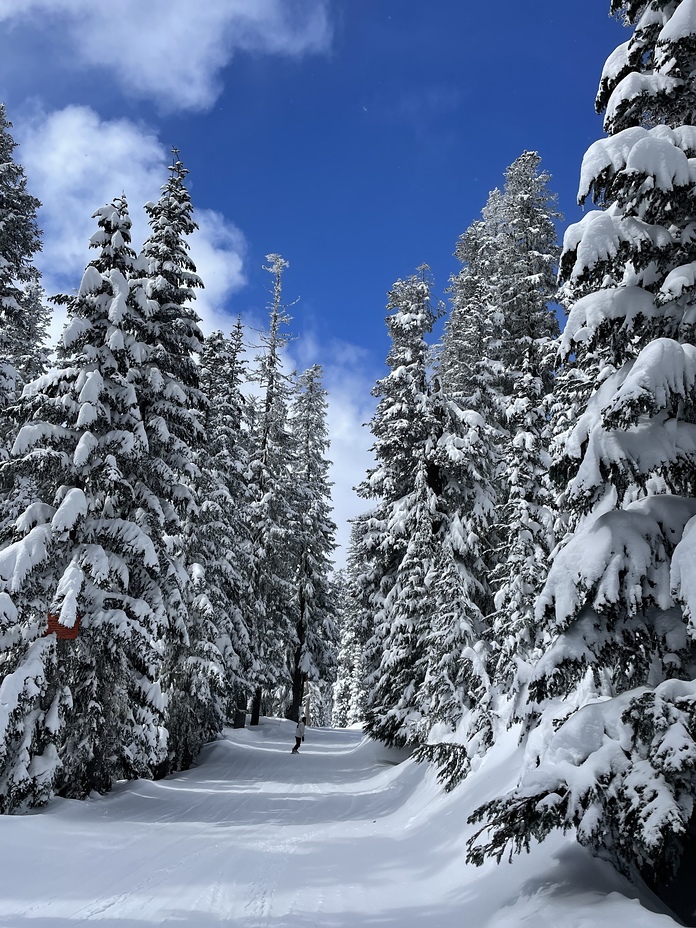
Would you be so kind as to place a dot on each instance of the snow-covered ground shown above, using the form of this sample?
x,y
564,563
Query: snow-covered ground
x,y
345,834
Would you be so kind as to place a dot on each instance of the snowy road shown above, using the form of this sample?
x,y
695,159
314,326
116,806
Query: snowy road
x,y
341,836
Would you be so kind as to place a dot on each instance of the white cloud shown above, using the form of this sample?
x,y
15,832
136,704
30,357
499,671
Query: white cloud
x,y
218,250
172,51
75,163
349,408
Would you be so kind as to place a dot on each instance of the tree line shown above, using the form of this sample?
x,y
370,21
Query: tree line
x,y
529,556
165,531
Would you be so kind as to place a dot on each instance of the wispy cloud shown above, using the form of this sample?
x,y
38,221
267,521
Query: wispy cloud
x,y
75,163
172,51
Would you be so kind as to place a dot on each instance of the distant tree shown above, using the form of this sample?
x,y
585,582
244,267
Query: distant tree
x,y
314,655
469,363
22,314
403,426
455,696
223,523
349,690
345,666
272,618
395,710
355,627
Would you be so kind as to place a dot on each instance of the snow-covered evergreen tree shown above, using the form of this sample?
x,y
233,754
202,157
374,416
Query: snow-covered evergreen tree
x,y
403,426
425,661
468,361
77,549
471,372
349,693
455,699
272,619
613,755
172,405
314,656
355,627
523,284
22,315
494,364
222,528
396,712
345,666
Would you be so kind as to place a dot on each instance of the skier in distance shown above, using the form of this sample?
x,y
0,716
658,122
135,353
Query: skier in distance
x,y
299,734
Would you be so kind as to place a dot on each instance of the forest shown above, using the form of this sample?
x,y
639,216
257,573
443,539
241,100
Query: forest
x,y
526,557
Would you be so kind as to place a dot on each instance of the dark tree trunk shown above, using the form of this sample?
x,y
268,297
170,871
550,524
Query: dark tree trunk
x,y
298,678
256,707
298,684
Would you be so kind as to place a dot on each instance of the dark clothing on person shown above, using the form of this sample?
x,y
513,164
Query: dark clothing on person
x,y
299,735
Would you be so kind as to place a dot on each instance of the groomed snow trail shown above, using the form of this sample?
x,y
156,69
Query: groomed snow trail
x,y
346,834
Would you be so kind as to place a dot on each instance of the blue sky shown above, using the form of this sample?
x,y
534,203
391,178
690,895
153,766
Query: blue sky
x,y
357,138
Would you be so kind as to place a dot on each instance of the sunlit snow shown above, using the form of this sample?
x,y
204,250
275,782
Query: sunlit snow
x,y
346,834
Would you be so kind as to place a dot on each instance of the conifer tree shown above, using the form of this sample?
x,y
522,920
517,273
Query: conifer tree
x,y
78,550
223,523
355,625
433,495
345,666
172,405
22,315
471,372
272,619
614,681
523,285
30,718
455,696
395,711
314,656
402,426
469,357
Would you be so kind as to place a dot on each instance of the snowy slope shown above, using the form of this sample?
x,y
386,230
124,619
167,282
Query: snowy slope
x,y
345,834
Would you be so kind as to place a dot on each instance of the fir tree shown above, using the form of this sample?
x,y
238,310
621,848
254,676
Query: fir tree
x,y
77,550
403,426
455,698
523,284
172,405
615,677
223,524
22,316
469,357
272,620
314,656
425,670
345,666
395,711
350,694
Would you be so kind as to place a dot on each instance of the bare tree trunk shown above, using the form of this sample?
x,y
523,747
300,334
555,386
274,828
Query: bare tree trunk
x,y
298,678
256,707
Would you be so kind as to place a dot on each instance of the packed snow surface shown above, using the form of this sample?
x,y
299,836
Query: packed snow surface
x,y
346,833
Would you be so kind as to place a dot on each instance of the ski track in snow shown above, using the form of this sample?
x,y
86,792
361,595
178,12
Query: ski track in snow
x,y
347,834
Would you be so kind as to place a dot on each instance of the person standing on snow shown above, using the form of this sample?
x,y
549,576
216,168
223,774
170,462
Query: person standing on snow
x,y
299,734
